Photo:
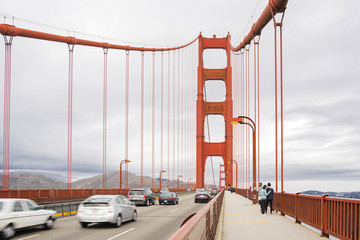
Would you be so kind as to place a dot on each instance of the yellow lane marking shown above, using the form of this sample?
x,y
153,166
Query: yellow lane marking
x,y
245,222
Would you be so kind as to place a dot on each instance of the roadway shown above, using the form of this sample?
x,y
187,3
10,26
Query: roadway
x,y
153,222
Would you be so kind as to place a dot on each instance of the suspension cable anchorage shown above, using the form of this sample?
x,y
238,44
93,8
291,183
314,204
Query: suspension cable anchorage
x,y
105,50
71,47
277,9
255,34
274,10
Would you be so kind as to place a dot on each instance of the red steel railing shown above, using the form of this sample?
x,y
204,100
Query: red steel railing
x,y
59,195
332,216
202,226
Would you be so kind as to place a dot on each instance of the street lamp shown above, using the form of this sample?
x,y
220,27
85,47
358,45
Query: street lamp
x,y
240,119
162,171
179,181
236,164
121,163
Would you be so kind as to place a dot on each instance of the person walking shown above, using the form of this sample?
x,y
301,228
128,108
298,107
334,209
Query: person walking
x,y
259,188
262,198
270,197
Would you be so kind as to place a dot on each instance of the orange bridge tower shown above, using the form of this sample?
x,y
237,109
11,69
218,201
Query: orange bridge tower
x,y
203,108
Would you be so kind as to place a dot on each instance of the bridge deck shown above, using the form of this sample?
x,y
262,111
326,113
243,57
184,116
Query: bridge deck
x,y
242,218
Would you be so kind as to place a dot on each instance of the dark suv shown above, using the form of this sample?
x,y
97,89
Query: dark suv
x,y
142,196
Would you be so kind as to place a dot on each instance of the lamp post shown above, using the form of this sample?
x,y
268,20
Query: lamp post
x,y
189,183
240,119
236,164
179,181
121,163
162,171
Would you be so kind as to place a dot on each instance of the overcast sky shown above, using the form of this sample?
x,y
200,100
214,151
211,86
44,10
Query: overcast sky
x,y
321,92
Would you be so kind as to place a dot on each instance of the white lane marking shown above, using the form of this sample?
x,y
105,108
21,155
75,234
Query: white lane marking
x,y
29,237
174,210
121,234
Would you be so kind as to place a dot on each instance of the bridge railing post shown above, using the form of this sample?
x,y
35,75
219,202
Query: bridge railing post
x,y
282,203
323,216
297,208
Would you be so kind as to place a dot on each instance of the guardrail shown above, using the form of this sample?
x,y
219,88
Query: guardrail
x,y
61,195
63,209
203,224
337,217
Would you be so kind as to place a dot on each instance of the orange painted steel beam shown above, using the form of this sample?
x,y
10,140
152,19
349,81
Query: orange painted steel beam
x,y
274,6
10,30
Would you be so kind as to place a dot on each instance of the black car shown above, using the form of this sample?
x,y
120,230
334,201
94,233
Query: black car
x,y
143,196
203,196
168,198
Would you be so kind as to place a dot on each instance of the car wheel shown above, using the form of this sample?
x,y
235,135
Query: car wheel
x,y
118,221
147,202
160,203
84,224
134,216
8,232
49,224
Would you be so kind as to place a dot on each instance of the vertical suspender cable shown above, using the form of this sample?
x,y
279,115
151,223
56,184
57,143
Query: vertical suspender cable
x,y
242,129
153,121
168,122
256,185
174,120
104,115
142,122
178,119
248,112
258,107
182,117
278,24
276,114
70,103
127,118
281,107
6,131
162,110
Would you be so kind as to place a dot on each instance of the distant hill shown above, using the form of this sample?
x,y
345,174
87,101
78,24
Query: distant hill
x,y
39,181
354,195
32,181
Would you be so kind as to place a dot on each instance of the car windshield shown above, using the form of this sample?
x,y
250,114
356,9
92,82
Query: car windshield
x,y
136,192
166,194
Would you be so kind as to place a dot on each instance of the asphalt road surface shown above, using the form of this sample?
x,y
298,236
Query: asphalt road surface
x,y
153,222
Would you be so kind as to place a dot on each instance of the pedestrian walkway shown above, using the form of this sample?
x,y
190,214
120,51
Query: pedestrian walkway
x,y
243,220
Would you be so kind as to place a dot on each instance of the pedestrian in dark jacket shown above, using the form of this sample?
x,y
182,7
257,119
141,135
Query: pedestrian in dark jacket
x,y
270,197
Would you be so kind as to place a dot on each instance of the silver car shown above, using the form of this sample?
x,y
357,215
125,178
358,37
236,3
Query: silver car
x,y
113,209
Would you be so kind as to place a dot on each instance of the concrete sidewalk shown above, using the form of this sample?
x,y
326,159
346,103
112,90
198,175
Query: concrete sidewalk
x,y
243,220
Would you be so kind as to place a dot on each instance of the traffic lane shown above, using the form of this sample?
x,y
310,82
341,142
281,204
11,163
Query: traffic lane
x,y
155,221
164,221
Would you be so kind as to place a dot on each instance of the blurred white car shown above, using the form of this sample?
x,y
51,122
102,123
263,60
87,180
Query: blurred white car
x,y
22,213
113,209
